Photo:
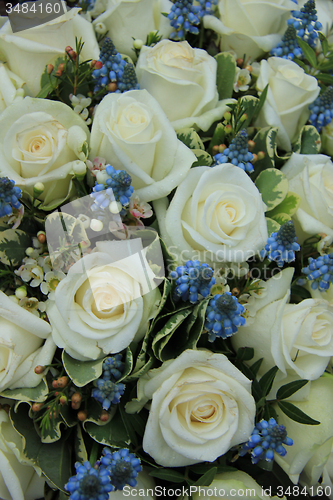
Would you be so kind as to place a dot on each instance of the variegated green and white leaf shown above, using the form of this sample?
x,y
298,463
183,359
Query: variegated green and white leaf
x,y
308,141
190,138
37,394
288,206
273,186
82,372
281,218
272,226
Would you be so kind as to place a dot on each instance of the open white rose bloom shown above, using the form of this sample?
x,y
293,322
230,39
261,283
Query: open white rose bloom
x,y
166,249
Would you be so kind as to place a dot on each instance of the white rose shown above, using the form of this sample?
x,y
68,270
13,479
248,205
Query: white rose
x,y
41,141
250,28
22,345
312,446
183,81
29,51
290,91
18,479
236,484
201,407
216,214
132,132
311,177
130,19
10,87
103,303
298,338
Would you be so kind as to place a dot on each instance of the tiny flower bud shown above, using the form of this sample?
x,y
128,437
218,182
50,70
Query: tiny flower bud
x,y
21,292
56,393
115,207
104,416
36,407
261,155
250,144
235,291
222,147
63,400
61,67
228,129
82,415
112,87
49,68
254,159
98,65
76,397
79,168
39,369
215,149
72,54
29,251
239,61
38,189
41,236
54,384
93,64
137,44
58,73
243,118
75,406
100,28
96,225
227,116
249,68
68,48
62,382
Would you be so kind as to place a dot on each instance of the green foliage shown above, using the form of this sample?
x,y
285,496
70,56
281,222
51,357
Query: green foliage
x,y
288,390
273,186
288,206
265,141
113,433
225,76
308,141
13,244
296,414
267,380
190,138
82,372
272,226
203,158
37,394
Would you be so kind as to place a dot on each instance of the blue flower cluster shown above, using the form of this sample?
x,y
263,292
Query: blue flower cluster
x,y
223,316
89,483
282,245
322,109
192,279
122,466
112,472
9,196
303,24
320,272
185,17
117,187
237,153
108,391
266,438
114,70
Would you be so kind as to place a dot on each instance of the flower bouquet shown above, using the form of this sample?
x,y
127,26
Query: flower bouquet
x,y
166,249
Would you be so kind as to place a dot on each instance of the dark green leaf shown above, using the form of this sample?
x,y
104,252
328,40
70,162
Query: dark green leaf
x,y
82,372
255,367
288,390
168,475
267,380
218,137
207,478
324,43
245,353
325,78
296,414
308,52
270,412
113,433
300,291
260,103
256,390
13,244
37,394
225,75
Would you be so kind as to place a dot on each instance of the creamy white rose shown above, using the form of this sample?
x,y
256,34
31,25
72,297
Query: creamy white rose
x,y
27,52
290,91
22,345
41,141
311,177
10,87
216,214
128,19
201,407
250,28
132,132
183,81
18,479
312,446
102,304
298,338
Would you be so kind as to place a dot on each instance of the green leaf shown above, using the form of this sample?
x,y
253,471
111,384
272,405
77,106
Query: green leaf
x,y
272,226
245,353
267,380
281,218
165,333
54,458
190,138
296,414
273,186
265,141
324,78
270,412
207,478
113,433
308,141
324,43
128,365
300,291
249,104
308,52
170,475
288,206
13,244
82,372
256,366
256,390
203,468
36,394
203,158
288,390
81,454
225,75
218,137
260,103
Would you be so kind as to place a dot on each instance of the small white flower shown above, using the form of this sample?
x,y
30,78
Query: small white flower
x,y
32,305
30,270
242,79
80,104
50,283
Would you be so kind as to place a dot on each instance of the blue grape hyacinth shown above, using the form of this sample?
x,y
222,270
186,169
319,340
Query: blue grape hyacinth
x,y
237,153
9,196
282,245
89,483
122,466
192,279
320,272
223,316
117,186
322,109
266,439
108,390
185,17
305,22
288,48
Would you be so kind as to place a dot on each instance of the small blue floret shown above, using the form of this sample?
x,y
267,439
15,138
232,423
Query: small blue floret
x,y
9,196
282,245
237,153
192,280
320,272
89,483
122,466
223,316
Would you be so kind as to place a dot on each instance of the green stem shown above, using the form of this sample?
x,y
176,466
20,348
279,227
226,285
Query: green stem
x,y
93,453
201,39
